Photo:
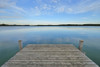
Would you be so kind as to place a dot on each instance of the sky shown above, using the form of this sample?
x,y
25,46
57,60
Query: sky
x,y
49,11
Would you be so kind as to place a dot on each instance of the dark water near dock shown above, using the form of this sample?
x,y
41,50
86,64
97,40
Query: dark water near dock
x,y
9,36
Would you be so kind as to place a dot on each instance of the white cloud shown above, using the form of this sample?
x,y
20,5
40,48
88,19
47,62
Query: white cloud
x,y
9,8
18,9
55,1
94,15
4,4
85,18
87,5
6,17
42,7
8,4
2,11
69,10
68,6
35,11
27,21
60,9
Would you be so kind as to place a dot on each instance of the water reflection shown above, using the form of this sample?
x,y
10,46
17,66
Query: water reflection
x,y
49,35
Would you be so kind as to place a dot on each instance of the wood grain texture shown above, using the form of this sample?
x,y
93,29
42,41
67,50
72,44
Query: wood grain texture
x,y
50,55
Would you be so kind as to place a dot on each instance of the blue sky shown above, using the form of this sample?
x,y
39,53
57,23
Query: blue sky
x,y
49,11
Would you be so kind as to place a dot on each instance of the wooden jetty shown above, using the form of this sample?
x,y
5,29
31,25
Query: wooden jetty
x,y
50,55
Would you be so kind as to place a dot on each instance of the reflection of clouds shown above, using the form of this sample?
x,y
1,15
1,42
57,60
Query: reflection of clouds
x,y
83,33
67,39
51,28
62,40
83,28
47,34
27,29
50,40
76,39
59,40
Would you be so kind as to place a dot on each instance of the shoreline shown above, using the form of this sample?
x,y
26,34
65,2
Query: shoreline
x,y
53,25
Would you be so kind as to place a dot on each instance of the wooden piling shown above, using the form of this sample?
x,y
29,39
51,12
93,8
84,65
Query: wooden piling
x,y
20,44
81,45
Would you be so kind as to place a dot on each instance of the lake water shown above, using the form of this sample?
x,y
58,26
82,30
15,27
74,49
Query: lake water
x,y
9,36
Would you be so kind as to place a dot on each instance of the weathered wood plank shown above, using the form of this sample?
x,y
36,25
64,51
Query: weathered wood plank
x,y
50,55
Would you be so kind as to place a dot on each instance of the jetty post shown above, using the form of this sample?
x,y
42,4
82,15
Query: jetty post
x,y
80,44
20,44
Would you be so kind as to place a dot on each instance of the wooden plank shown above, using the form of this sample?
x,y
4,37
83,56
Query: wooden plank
x,y
50,55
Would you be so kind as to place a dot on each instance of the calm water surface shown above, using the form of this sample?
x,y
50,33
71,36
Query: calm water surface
x,y
10,35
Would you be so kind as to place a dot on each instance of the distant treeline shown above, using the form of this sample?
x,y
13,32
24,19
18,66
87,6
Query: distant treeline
x,y
12,25
53,25
72,25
